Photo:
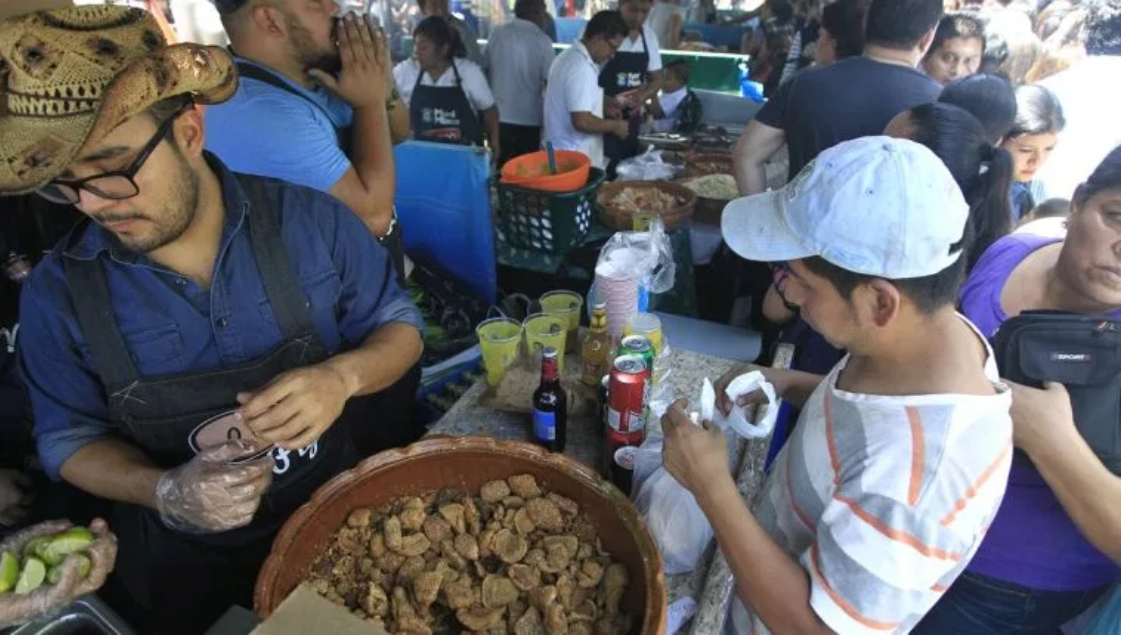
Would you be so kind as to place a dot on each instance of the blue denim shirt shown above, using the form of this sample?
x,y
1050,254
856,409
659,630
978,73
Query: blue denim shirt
x,y
171,325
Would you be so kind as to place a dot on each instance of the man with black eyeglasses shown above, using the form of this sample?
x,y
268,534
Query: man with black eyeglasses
x,y
198,348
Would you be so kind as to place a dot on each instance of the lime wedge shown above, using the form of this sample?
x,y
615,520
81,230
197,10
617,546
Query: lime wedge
x,y
84,566
9,571
35,546
75,539
33,574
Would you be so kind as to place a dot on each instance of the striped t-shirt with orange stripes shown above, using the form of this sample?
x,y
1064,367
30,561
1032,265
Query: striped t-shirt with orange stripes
x,y
884,500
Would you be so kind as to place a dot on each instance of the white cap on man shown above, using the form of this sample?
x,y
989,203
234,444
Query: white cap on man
x,y
876,206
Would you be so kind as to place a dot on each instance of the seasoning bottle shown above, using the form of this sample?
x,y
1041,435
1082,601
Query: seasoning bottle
x,y
596,351
550,406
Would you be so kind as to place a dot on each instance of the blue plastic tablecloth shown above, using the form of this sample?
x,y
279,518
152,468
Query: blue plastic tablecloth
x,y
443,201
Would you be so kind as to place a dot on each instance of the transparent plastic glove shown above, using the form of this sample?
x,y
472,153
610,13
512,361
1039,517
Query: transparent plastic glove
x,y
49,599
210,493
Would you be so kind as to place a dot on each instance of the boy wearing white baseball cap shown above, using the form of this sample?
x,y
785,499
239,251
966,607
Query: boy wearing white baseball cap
x,y
900,457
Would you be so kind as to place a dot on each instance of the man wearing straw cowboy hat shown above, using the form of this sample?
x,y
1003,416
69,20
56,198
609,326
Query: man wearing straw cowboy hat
x,y
191,347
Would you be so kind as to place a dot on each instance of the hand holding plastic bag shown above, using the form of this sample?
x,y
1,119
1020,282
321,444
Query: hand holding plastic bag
x,y
737,418
671,512
210,494
679,527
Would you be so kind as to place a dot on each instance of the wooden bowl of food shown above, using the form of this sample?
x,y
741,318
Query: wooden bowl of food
x,y
714,191
619,202
708,164
438,470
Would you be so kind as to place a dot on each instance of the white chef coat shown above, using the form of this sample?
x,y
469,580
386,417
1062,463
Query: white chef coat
x,y
519,56
574,87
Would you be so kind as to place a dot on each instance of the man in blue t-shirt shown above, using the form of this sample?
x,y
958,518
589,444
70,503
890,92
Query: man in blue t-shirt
x,y
304,113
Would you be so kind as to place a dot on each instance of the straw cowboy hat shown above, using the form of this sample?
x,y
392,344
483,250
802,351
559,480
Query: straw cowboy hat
x,y
74,74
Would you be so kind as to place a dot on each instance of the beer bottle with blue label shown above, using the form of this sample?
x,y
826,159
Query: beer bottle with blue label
x,y
550,410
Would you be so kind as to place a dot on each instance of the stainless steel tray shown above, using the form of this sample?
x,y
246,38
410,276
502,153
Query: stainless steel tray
x,y
668,141
86,616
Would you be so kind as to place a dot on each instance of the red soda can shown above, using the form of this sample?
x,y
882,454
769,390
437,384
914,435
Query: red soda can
x,y
627,394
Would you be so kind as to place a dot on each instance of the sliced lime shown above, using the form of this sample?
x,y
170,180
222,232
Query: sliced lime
x,y
33,574
84,567
9,571
35,546
75,539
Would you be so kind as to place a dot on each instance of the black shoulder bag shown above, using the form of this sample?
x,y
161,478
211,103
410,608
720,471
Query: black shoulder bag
x,y
1082,353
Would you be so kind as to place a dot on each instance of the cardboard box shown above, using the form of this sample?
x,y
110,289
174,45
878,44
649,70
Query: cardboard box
x,y
306,613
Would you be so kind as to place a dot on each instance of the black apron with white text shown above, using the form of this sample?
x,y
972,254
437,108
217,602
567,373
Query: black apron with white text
x,y
444,113
626,71
184,582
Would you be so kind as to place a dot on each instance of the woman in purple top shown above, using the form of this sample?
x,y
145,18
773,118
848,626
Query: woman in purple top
x,y
1054,545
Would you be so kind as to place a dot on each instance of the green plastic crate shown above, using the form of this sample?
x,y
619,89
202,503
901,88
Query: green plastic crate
x,y
547,222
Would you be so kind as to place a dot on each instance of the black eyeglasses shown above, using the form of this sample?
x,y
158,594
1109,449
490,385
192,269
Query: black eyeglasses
x,y
780,272
115,185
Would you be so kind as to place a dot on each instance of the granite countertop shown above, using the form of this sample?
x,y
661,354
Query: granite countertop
x,y
586,440
711,584
585,435
716,588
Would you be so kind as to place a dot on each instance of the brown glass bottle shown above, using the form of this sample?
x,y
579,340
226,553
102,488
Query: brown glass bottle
x,y
597,351
550,406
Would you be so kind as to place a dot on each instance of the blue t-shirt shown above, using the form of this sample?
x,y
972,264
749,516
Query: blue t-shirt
x,y
265,130
171,325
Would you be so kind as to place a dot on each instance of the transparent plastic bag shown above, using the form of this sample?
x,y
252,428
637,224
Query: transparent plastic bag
x,y
679,527
646,254
737,419
676,521
648,167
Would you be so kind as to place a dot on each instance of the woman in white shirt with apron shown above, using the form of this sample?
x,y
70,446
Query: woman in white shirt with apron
x,y
449,98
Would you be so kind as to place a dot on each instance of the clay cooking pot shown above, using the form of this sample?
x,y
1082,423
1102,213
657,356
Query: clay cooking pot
x,y
466,464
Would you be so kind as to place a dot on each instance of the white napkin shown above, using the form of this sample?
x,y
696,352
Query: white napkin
x,y
737,420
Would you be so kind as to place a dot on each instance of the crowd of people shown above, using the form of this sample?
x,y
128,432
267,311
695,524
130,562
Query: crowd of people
x,y
953,171
874,557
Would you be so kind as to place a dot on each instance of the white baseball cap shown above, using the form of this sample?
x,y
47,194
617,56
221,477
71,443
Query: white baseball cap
x,y
876,206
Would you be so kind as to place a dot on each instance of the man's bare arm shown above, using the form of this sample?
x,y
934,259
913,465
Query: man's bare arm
x,y
755,147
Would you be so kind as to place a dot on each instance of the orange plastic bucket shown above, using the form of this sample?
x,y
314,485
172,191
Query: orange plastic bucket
x,y
532,171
